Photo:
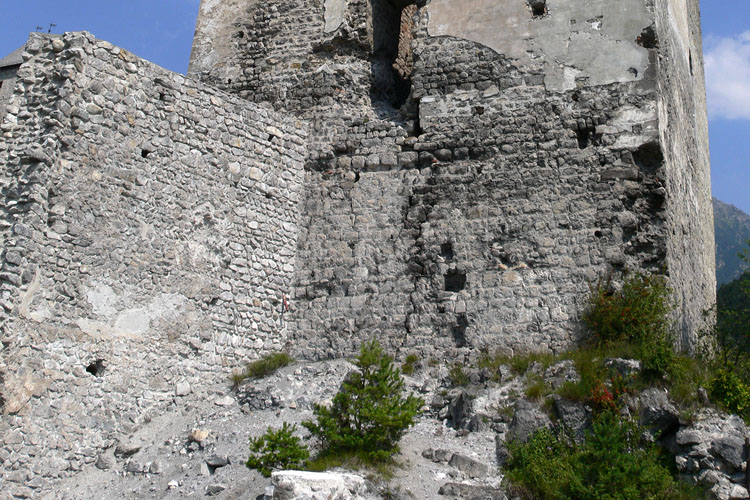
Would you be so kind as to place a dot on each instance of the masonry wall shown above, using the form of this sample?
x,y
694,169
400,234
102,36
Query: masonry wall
x,y
684,138
526,162
7,82
150,227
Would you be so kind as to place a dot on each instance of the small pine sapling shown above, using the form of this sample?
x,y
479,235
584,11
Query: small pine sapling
x,y
276,449
369,414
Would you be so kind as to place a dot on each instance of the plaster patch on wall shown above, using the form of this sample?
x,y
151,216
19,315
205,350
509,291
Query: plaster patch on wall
x,y
334,15
633,126
586,42
132,322
102,298
119,317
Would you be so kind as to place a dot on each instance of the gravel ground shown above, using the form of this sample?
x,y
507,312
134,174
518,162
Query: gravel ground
x,y
160,460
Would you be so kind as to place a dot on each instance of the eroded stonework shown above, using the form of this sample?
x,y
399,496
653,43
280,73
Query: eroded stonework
x,y
149,227
345,169
527,160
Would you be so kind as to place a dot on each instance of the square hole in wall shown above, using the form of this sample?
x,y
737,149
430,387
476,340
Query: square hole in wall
x,y
538,7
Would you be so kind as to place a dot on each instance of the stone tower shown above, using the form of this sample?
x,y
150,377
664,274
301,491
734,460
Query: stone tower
x,y
474,165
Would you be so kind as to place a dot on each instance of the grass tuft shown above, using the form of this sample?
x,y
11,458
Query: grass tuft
x,y
263,367
409,364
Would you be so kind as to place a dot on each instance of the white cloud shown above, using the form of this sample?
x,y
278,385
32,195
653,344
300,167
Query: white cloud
x,y
728,76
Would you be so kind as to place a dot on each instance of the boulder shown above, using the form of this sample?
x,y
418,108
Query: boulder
x,y
731,450
471,492
573,415
299,485
658,414
527,419
624,367
469,466
711,450
460,410
725,490
558,374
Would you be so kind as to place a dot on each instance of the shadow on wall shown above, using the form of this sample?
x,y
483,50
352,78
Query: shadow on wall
x,y
392,58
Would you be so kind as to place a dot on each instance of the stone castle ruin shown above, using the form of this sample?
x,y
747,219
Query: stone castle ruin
x,y
444,175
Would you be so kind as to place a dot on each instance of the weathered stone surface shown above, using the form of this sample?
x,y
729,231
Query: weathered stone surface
x,y
623,367
657,413
469,466
527,419
105,462
574,416
471,492
731,449
711,452
214,488
408,173
168,229
460,409
296,485
560,373
135,247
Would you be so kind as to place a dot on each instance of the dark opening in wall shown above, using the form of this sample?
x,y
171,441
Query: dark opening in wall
x,y
648,157
392,57
459,330
587,136
96,368
690,61
145,153
455,280
647,39
538,7
446,251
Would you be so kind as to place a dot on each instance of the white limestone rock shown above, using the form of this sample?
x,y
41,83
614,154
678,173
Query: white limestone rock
x,y
299,485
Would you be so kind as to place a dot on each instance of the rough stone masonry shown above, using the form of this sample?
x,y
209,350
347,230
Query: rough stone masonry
x,y
475,165
445,175
149,227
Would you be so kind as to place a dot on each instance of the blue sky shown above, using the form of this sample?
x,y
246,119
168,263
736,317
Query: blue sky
x,y
162,31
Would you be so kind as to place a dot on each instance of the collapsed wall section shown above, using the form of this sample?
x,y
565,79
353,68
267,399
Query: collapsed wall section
x,y
152,227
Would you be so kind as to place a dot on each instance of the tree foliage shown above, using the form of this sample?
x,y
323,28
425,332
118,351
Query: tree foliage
x,y
638,313
276,449
369,414
613,463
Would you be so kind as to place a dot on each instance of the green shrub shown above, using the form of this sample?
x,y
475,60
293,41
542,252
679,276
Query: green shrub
x,y
536,388
657,355
518,363
276,449
409,364
636,315
613,463
637,312
369,414
731,392
732,330
545,467
457,375
263,367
